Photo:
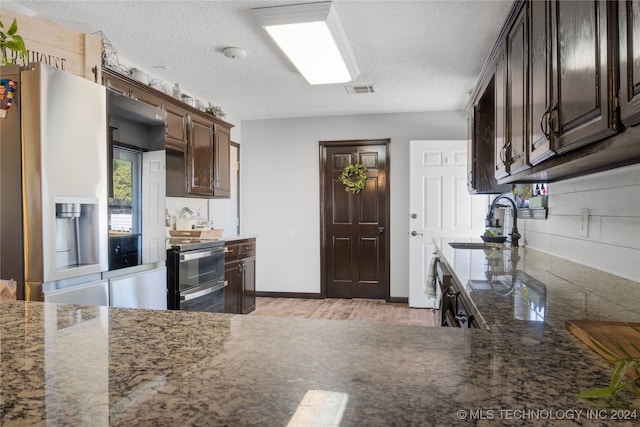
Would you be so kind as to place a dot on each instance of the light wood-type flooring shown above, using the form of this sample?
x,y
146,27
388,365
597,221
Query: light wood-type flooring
x,y
346,309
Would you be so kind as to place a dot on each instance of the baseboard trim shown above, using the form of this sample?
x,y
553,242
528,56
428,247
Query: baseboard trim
x,y
403,300
290,295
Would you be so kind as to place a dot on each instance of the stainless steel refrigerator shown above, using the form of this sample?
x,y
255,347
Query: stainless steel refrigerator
x,y
53,185
136,205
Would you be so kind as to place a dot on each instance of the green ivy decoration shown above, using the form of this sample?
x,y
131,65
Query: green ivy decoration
x,y
10,41
354,178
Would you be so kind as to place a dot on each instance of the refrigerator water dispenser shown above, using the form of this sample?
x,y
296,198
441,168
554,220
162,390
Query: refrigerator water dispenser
x,y
76,234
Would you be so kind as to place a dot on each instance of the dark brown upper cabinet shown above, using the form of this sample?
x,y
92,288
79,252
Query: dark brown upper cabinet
x,y
115,83
208,159
197,143
567,82
481,143
629,36
177,127
516,147
541,142
582,107
146,97
501,155
200,157
222,165
558,88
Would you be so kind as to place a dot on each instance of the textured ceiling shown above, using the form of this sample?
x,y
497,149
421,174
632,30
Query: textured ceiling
x,y
421,55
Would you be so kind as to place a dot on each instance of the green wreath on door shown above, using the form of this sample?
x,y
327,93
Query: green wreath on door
x,y
354,178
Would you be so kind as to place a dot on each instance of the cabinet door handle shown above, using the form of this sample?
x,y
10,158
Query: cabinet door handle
x,y
450,320
554,107
549,114
461,318
546,113
503,153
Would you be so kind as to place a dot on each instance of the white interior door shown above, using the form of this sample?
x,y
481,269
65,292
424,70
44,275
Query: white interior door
x,y
440,206
154,184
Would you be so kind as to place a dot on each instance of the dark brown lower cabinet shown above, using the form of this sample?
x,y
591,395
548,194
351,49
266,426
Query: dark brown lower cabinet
x,y
240,273
233,289
248,279
454,309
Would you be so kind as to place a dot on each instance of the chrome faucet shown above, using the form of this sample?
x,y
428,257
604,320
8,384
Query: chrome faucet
x,y
515,235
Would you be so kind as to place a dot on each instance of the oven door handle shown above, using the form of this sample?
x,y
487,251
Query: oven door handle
x,y
202,290
200,254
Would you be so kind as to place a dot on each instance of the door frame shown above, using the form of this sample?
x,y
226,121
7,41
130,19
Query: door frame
x,y
237,194
323,206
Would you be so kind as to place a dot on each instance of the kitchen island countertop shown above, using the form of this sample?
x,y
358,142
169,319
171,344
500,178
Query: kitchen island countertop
x,y
101,366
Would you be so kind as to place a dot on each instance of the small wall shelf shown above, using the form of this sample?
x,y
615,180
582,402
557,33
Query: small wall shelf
x,y
533,213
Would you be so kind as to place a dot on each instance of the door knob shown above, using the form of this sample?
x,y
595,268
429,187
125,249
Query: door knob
x,y
415,233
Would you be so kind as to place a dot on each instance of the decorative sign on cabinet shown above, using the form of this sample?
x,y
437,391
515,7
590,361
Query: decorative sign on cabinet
x,y
57,46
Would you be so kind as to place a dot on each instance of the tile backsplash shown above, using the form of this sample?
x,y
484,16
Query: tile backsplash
x,y
216,210
610,238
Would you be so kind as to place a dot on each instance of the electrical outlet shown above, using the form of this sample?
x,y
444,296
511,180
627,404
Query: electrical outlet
x,y
584,222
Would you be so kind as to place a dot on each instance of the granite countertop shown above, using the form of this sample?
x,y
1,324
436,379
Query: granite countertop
x,y
232,239
521,286
104,366
195,243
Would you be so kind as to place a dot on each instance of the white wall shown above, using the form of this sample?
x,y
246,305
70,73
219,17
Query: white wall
x,y
280,202
613,241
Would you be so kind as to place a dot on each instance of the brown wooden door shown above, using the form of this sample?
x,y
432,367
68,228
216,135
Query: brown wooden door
x,y
355,227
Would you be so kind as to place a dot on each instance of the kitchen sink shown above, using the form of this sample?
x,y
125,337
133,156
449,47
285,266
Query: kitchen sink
x,y
477,245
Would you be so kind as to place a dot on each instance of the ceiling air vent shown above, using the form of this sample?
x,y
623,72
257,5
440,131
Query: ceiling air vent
x,y
354,90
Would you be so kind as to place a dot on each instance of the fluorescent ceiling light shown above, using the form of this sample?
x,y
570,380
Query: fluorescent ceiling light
x,y
312,38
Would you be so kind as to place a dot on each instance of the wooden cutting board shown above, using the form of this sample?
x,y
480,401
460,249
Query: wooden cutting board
x,y
605,334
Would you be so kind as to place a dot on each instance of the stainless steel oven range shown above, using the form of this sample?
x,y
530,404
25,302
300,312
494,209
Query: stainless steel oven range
x,y
195,275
